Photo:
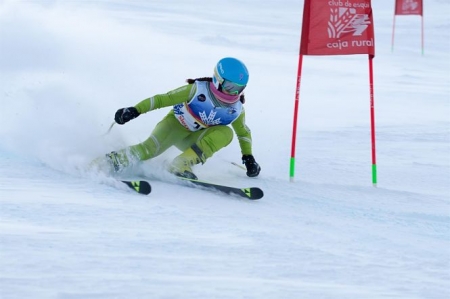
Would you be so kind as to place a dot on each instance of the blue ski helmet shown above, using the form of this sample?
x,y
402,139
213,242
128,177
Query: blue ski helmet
x,y
229,80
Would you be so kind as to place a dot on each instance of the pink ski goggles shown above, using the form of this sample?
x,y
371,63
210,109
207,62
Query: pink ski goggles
x,y
225,90
223,97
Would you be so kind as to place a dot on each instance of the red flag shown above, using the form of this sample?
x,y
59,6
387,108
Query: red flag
x,y
409,7
337,27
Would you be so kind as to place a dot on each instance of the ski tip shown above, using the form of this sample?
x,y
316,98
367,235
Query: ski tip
x,y
254,193
145,188
141,187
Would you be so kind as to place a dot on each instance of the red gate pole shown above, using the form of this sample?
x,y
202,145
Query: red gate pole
x,y
393,33
422,37
294,126
372,122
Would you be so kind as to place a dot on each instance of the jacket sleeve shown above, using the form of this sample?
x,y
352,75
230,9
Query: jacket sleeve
x,y
243,133
176,96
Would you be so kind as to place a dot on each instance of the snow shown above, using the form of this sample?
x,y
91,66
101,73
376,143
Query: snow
x,y
67,66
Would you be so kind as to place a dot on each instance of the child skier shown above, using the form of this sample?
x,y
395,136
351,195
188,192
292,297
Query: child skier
x,y
197,124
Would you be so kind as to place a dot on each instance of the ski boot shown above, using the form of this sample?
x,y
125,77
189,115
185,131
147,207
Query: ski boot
x,y
116,162
182,165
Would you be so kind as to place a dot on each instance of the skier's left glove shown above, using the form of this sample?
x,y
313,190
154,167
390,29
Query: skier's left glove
x,y
253,168
124,115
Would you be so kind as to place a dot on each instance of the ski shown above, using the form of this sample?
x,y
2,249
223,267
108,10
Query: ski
x,y
252,193
141,187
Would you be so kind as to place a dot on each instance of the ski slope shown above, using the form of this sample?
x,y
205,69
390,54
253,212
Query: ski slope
x,y
66,232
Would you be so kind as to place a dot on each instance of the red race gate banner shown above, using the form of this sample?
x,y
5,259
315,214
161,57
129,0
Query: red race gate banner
x,y
337,27
409,7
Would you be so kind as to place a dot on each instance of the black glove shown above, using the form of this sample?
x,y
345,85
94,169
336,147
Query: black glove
x,y
253,168
124,115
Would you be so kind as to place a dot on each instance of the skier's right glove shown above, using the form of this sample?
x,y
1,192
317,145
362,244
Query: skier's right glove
x,y
124,115
253,168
